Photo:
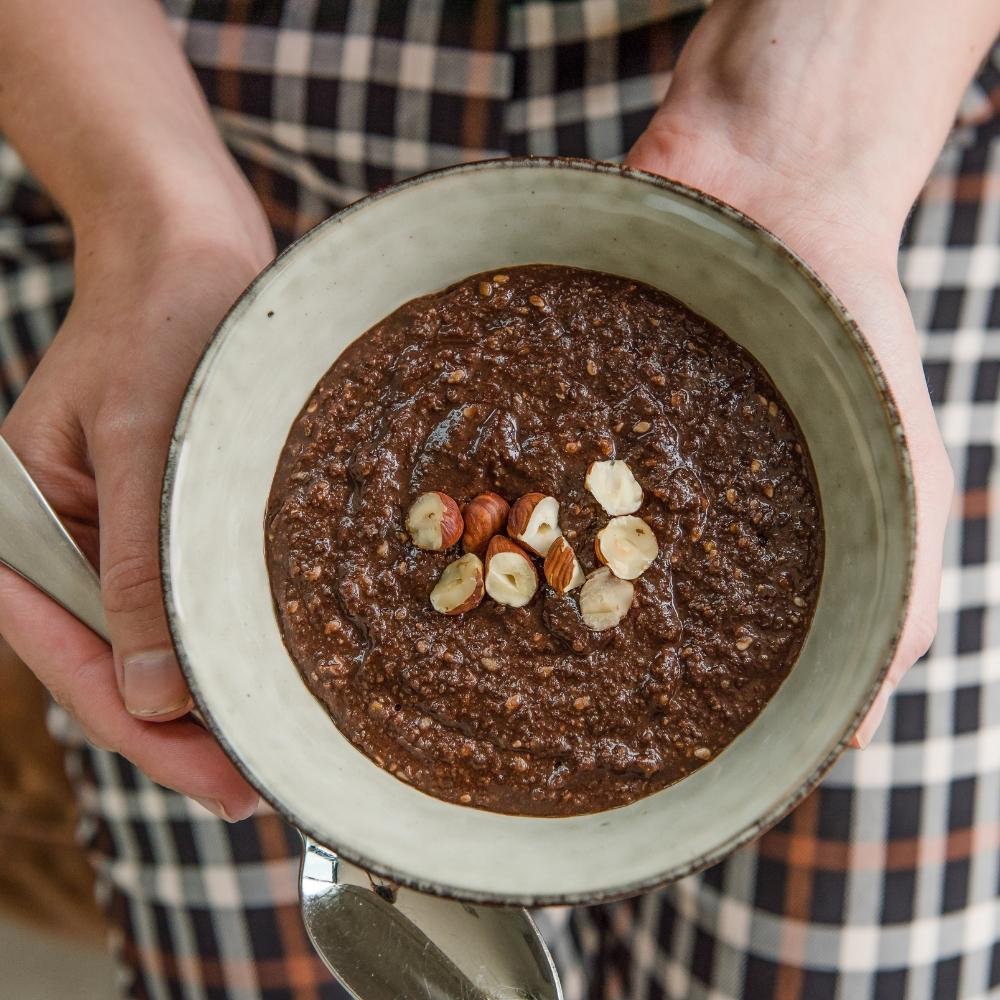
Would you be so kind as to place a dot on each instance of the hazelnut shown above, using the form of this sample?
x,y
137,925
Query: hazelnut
x,y
562,569
534,521
511,578
460,587
485,516
627,546
605,600
614,487
434,522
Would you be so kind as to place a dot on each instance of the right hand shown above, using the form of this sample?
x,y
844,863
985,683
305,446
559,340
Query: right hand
x,y
92,426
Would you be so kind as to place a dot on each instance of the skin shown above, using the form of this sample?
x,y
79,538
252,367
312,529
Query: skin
x,y
821,127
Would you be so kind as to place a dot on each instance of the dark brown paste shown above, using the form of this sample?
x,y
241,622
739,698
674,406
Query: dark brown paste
x,y
515,382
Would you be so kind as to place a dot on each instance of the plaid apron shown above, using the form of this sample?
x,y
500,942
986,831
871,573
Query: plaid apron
x,y
884,883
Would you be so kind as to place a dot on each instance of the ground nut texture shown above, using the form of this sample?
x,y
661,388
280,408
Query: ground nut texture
x,y
515,382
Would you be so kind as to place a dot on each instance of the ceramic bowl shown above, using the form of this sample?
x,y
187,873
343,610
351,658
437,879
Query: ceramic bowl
x,y
420,236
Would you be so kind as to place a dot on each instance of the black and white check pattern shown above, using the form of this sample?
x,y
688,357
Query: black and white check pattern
x,y
884,884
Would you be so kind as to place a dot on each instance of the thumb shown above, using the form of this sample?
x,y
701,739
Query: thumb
x,y
128,449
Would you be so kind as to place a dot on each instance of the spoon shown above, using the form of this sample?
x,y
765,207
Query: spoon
x,y
380,941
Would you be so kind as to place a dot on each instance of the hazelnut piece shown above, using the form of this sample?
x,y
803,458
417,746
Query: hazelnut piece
x,y
604,600
511,577
434,522
614,487
460,587
562,569
534,521
627,546
485,516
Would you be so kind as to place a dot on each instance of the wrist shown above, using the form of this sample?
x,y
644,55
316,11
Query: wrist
x,y
747,159
177,204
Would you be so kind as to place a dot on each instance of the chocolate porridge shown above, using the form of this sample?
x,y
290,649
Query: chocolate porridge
x,y
551,412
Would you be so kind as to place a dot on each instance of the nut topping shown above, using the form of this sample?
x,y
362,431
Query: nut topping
x,y
605,600
562,570
627,546
460,587
511,577
534,522
614,487
434,522
485,516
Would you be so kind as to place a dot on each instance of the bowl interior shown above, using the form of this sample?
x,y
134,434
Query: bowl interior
x,y
348,274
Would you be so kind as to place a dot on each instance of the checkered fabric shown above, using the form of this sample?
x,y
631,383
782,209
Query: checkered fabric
x,y
883,884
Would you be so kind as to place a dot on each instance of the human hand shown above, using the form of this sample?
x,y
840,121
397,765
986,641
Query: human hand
x,y
92,426
797,175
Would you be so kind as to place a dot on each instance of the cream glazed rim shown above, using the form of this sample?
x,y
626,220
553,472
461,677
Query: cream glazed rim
x,y
188,408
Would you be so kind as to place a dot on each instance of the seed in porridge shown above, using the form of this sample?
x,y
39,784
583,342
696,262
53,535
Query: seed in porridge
x,y
641,426
703,753
591,366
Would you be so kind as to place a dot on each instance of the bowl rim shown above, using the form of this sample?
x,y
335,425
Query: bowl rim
x,y
854,336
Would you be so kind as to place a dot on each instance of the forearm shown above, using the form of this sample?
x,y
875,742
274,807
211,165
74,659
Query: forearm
x,y
852,98
99,101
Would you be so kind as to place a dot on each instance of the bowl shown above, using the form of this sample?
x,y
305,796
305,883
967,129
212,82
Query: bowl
x,y
422,235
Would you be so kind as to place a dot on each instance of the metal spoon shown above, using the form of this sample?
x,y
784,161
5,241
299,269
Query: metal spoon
x,y
380,941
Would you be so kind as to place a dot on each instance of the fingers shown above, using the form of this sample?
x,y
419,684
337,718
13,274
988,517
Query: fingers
x,y
76,666
934,494
128,444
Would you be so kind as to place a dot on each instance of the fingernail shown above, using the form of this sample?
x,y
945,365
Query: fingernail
x,y
215,807
875,715
152,684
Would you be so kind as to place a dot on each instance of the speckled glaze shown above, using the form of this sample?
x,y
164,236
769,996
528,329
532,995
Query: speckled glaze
x,y
422,235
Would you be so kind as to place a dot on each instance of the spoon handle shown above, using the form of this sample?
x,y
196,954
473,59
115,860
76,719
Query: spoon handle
x,y
34,543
